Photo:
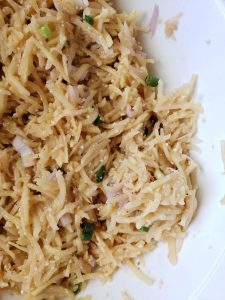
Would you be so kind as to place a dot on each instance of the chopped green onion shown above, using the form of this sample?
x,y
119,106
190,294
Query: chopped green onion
x,y
100,174
144,229
146,131
87,231
77,289
152,81
46,31
98,121
89,19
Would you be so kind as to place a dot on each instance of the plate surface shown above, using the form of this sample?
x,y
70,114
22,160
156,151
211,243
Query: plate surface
x,y
199,49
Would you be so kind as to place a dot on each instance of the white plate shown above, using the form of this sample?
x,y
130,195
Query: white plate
x,y
199,48
199,272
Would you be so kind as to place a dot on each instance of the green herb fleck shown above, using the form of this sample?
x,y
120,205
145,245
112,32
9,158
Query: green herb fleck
x,y
152,81
46,31
89,19
100,174
144,229
98,121
87,231
77,289
145,131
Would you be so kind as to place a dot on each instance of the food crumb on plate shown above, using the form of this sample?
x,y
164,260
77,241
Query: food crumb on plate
x,y
154,19
126,296
140,262
171,25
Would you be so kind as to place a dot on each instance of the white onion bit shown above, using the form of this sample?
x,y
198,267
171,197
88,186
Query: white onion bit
x,y
141,53
138,138
85,2
122,202
73,93
66,219
128,110
110,195
24,150
92,261
82,3
52,176
154,19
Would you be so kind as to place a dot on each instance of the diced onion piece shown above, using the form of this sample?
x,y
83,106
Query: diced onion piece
x,y
128,111
113,190
70,6
73,93
52,176
92,261
141,53
86,94
18,143
140,223
138,138
110,195
66,219
122,202
24,151
154,19
82,3
85,2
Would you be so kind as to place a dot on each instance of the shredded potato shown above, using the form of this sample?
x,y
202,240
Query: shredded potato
x,y
94,163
